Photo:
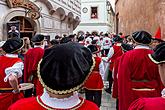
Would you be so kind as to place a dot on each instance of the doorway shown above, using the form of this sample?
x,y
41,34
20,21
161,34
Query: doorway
x,y
26,26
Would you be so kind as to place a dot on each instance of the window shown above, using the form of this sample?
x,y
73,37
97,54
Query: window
x,y
94,13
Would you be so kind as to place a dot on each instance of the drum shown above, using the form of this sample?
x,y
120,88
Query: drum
x,y
22,87
27,89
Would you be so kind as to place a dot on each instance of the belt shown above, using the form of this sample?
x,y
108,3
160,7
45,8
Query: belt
x,y
144,80
6,90
143,89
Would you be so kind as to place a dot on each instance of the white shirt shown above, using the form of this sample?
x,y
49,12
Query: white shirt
x,y
142,47
88,41
65,103
15,70
106,43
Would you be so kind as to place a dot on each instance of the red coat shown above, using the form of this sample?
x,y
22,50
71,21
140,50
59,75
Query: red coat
x,y
37,104
95,82
137,71
31,60
6,99
117,53
157,103
115,82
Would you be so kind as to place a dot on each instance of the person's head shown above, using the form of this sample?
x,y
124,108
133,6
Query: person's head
x,y
126,47
13,45
93,49
81,38
106,35
141,38
26,40
38,39
54,42
156,42
117,38
65,40
158,57
64,68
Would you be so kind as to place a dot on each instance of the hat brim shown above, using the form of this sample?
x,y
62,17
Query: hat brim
x,y
62,92
153,60
22,45
139,42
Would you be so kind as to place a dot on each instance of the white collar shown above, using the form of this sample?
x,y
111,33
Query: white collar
x,y
142,47
41,46
65,103
11,55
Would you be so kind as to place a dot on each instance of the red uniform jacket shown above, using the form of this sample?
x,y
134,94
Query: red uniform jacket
x,y
37,104
115,83
6,99
137,71
117,53
95,82
157,103
31,60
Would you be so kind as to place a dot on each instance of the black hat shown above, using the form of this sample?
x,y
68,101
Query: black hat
x,y
37,38
81,38
126,47
93,48
142,37
65,67
65,40
117,38
13,45
159,54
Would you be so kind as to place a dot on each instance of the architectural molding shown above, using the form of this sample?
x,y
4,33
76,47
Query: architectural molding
x,y
95,24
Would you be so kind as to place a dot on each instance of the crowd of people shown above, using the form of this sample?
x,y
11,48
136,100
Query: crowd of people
x,y
36,74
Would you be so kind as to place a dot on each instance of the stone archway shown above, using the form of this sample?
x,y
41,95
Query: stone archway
x,y
18,12
61,12
26,26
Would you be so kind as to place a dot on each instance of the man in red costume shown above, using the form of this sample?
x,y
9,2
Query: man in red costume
x,y
157,103
114,52
10,70
94,84
31,60
62,71
125,48
138,76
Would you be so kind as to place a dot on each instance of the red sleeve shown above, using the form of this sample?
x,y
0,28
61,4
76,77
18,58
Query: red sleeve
x,y
137,104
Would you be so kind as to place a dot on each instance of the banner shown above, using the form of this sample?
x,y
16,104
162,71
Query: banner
x,y
13,29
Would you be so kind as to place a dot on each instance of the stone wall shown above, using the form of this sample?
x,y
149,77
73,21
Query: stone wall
x,y
141,15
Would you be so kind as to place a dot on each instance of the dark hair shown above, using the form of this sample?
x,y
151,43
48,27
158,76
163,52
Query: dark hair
x,y
54,42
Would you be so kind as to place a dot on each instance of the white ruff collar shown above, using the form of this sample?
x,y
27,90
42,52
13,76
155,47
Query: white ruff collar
x,y
12,55
142,47
65,103
39,46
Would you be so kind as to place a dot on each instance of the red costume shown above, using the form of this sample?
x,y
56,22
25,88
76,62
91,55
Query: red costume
x,y
115,82
31,60
138,77
6,99
95,82
157,103
117,53
37,104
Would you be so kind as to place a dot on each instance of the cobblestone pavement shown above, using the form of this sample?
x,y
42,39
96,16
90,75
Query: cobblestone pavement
x,y
108,103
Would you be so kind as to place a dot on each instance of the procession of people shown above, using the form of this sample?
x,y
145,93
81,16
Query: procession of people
x,y
37,74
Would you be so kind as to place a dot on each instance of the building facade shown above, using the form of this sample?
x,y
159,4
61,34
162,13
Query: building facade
x,y
133,15
49,17
96,16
